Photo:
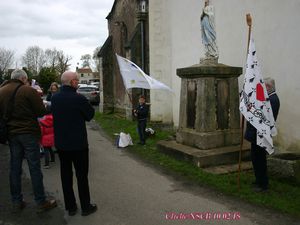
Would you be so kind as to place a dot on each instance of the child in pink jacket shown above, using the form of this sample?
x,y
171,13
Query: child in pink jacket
x,y
47,140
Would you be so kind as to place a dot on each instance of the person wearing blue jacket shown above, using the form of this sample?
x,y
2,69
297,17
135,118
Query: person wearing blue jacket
x,y
70,112
141,113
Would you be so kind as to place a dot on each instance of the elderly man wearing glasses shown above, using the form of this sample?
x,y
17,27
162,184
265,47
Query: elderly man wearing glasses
x,y
70,112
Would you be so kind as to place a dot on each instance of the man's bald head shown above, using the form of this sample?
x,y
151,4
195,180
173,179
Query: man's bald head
x,y
67,78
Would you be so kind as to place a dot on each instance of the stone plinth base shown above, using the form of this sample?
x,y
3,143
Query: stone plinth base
x,y
205,158
207,140
207,61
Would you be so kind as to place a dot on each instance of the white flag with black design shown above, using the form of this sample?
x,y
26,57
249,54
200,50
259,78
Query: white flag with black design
x,y
255,103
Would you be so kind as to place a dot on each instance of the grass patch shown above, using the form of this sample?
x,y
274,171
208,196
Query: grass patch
x,y
282,196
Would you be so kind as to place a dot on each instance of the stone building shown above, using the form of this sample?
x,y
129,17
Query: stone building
x,y
175,42
128,37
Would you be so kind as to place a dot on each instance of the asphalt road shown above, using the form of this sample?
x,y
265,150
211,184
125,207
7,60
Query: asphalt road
x,y
129,191
28,216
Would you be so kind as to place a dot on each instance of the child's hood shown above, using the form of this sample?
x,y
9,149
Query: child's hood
x,y
47,120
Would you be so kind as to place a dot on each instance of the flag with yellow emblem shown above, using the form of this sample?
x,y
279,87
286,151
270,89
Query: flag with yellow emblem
x,y
134,77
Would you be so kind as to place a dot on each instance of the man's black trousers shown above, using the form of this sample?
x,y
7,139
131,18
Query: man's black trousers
x,y
80,161
259,162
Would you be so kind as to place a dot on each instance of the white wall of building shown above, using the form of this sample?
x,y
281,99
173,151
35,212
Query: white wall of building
x,y
160,58
175,42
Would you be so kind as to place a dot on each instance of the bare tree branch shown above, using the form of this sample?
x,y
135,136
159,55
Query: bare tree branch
x,y
6,59
34,59
51,58
63,62
96,59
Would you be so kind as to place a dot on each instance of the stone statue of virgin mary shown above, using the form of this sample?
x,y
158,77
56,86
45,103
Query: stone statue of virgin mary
x,y
208,32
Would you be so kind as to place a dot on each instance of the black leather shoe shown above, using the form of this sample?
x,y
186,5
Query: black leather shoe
x,y
91,209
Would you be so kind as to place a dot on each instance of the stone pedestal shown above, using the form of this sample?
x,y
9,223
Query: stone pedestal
x,y
285,165
209,106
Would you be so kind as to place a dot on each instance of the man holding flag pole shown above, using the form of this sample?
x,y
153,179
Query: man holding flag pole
x,y
259,105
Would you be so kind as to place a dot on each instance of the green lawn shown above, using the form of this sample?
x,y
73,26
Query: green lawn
x,y
282,196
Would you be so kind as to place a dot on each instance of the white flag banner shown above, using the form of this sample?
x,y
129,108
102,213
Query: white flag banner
x,y
255,104
134,77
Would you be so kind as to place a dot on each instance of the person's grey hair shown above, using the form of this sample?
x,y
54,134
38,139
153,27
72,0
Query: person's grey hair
x,y
271,82
18,74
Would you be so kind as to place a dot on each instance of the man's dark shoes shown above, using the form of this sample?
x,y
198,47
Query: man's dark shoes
x,y
91,209
17,207
46,205
72,212
258,189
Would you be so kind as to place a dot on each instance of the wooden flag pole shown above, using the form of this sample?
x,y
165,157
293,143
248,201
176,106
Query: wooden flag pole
x,y
249,23
129,96
130,99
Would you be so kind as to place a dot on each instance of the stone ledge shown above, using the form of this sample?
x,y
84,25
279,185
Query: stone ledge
x,y
208,140
218,70
285,165
232,168
204,158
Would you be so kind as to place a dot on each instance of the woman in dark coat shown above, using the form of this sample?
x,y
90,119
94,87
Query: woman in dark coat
x,y
52,90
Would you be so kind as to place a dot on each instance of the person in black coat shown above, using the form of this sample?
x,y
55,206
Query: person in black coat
x,y
70,112
258,154
141,113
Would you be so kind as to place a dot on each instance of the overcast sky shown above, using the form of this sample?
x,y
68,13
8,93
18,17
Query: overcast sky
x,y
75,26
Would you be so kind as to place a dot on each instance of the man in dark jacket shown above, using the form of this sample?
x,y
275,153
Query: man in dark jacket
x,y
141,113
24,135
258,154
70,112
